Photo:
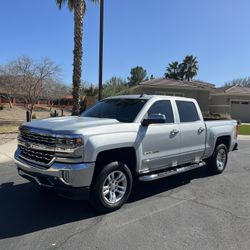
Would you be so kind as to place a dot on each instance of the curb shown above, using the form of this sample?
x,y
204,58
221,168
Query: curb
x,y
244,137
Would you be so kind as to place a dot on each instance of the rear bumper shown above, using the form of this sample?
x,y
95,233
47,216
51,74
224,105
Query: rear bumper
x,y
71,180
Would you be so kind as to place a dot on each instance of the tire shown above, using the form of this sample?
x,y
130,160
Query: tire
x,y
218,161
112,187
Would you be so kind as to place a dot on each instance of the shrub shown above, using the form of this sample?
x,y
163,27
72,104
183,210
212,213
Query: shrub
x,y
1,107
54,114
34,116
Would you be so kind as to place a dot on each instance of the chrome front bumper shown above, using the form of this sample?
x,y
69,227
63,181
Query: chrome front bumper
x,y
63,174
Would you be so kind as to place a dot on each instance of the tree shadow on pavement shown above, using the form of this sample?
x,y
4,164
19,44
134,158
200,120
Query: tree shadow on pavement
x,y
25,208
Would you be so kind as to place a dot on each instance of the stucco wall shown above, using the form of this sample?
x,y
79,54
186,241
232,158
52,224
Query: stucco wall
x,y
202,96
221,103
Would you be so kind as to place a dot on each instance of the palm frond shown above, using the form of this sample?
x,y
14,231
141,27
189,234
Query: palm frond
x,y
70,4
60,3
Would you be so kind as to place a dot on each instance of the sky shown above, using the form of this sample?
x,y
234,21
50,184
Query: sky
x,y
143,33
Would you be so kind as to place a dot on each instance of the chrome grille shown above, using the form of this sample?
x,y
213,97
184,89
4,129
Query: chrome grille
x,y
37,146
39,156
38,138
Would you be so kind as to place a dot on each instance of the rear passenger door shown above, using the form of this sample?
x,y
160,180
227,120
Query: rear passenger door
x,y
160,142
193,132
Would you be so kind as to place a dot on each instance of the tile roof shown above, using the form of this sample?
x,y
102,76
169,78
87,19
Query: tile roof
x,y
166,82
234,89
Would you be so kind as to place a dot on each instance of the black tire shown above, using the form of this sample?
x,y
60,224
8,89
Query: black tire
x,y
218,161
102,202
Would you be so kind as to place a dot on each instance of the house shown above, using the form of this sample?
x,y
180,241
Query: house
x,y
163,86
232,100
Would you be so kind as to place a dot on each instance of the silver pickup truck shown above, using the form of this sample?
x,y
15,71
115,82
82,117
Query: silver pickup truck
x,y
98,155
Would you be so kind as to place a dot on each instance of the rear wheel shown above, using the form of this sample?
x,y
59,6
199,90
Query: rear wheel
x,y
217,163
112,187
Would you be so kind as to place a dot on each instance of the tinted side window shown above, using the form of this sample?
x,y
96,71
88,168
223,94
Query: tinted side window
x,y
162,107
187,111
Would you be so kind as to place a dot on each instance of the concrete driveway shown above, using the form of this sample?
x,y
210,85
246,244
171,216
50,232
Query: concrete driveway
x,y
190,211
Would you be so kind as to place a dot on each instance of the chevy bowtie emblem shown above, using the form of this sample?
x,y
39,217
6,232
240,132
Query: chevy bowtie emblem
x,y
28,145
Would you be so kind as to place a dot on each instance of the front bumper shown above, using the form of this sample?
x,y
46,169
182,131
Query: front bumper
x,y
68,179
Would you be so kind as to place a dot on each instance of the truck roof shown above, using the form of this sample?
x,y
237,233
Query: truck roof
x,y
147,97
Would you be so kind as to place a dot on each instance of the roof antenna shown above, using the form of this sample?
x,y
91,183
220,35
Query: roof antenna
x,y
141,95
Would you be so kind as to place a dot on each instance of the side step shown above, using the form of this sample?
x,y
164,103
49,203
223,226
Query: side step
x,y
178,170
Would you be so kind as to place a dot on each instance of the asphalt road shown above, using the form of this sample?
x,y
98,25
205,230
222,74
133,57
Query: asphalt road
x,y
190,211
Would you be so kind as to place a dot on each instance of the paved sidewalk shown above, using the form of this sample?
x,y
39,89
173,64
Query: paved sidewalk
x,y
244,137
7,151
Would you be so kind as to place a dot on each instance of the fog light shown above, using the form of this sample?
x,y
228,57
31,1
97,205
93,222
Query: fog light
x,y
65,175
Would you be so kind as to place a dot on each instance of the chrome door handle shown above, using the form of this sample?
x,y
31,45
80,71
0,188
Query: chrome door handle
x,y
174,132
200,130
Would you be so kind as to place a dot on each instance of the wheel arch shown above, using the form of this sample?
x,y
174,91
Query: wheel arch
x,y
126,155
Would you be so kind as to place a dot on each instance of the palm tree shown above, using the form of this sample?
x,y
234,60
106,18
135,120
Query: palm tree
x,y
79,8
174,71
190,67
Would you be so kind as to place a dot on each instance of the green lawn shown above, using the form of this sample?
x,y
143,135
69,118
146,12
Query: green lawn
x,y
244,129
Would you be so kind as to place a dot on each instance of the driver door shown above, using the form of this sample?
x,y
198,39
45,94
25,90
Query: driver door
x,y
160,142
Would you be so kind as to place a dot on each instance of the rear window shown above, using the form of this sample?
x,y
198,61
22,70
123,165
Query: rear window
x,y
187,111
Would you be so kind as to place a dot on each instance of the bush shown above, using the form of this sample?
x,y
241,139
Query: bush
x,y
54,114
34,116
1,107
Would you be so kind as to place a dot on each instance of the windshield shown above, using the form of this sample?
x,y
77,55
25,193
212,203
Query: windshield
x,y
123,110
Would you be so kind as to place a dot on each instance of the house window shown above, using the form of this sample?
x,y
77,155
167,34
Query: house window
x,y
235,102
246,103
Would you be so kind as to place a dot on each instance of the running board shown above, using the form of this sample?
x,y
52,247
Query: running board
x,y
178,170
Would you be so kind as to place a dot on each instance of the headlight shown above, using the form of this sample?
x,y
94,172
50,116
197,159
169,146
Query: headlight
x,y
69,143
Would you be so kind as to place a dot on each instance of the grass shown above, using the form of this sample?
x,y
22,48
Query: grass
x,y
8,129
244,129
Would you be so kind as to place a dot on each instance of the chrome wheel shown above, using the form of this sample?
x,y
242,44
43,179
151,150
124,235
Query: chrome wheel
x,y
114,187
221,159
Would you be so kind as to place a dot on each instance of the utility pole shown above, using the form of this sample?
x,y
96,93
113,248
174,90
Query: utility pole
x,y
101,48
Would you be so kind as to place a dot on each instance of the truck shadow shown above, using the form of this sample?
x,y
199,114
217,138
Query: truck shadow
x,y
143,190
24,208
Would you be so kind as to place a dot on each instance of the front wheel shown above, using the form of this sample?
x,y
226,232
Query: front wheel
x,y
112,187
217,163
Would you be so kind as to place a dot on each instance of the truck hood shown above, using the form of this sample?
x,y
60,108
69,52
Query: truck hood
x,y
70,124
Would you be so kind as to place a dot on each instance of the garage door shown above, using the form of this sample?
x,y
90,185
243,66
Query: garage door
x,y
240,110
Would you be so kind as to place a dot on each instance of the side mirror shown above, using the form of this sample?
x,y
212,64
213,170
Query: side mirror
x,y
154,119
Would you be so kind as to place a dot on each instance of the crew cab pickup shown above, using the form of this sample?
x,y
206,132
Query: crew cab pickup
x,y
99,154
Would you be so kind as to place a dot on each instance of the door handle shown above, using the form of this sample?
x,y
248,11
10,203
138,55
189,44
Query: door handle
x,y
200,130
174,132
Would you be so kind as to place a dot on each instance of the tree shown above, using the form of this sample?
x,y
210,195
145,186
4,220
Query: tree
x,y
186,70
79,9
137,75
11,89
29,78
174,71
88,89
190,67
244,82
114,86
54,91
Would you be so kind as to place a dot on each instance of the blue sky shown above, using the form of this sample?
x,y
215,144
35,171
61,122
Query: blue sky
x,y
137,32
